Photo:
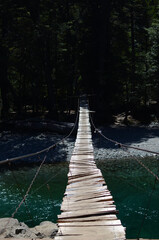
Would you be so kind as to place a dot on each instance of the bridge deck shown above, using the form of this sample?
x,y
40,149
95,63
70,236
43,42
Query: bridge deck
x,y
88,210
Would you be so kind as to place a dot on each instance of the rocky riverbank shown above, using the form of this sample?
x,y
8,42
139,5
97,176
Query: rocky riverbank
x,y
145,137
12,228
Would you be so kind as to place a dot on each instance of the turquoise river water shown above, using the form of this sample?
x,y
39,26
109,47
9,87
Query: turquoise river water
x,y
136,195
135,191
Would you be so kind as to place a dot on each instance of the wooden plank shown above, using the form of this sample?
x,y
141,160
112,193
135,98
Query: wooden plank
x,y
82,164
85,204
107,232
85,188
85,148
87,178
79,206
83,237
88,201
78,166
90,196
75,174
89,192
93,223
67,207
83,143
88,182
79,173
80,185
82,157
90,219
77,237
83,192
89,212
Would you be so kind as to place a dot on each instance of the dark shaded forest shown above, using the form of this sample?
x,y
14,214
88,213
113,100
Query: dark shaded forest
x,y
51,51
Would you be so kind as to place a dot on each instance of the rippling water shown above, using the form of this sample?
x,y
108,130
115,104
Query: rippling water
x,y
135,191
136,195
43,202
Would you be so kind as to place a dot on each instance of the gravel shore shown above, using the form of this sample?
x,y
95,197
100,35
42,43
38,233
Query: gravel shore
x,y
146,137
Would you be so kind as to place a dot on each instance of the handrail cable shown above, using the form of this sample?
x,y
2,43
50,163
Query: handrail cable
x,y
43,150
26,194
124,146
121,144
29,188
42,185
22,195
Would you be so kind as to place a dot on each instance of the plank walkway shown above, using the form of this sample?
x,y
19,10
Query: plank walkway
x,y
88,210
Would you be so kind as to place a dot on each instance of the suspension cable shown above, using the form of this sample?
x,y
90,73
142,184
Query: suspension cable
x,y
26,194
45,183
118,143
125,147
29,188
37,189
20,190
43,150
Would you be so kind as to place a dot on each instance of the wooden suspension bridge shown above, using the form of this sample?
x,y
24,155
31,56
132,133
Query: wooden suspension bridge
x,y
88,210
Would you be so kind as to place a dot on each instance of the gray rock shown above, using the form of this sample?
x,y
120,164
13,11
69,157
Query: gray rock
x,y
10,227
46,229
7,224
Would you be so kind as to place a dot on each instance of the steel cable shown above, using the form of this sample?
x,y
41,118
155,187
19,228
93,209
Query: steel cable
x,y
43,150
125,147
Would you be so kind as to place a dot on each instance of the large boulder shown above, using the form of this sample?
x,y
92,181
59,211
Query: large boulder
x,y
45,229
10,228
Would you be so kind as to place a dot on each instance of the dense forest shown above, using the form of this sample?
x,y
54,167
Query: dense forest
x,y
51,51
